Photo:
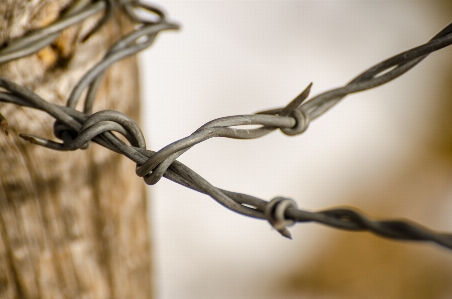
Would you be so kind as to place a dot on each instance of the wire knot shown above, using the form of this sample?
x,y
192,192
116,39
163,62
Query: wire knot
x,y
294,110
66,134
274,212
302,122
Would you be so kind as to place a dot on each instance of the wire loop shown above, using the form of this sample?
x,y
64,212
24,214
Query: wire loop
x,y
275,214
302,123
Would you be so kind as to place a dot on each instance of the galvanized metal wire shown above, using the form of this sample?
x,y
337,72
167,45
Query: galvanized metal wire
x,y
77,129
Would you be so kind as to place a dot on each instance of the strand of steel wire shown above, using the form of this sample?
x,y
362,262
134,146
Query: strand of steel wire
x,y
35,41
280,212
78,128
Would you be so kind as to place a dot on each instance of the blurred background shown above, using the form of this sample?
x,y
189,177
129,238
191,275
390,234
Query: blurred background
x,y
386,152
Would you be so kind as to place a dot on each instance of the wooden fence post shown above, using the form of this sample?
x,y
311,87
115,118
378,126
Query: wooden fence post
x,y
72,224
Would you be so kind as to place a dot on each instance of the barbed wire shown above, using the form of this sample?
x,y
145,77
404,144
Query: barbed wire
x,y
77,129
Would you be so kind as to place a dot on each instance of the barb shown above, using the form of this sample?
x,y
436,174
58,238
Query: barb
x,y
76,129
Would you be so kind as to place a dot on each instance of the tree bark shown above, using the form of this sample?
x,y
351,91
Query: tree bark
x,y
72,224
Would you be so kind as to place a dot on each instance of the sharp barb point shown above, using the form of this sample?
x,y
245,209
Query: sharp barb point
x,y
295,103
285,232
29,138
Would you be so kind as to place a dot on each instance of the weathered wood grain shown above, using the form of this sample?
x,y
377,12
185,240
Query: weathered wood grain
x,y
72,224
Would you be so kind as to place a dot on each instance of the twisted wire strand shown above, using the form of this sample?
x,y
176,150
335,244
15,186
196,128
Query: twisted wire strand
x,y
130,44
77,129
38,39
